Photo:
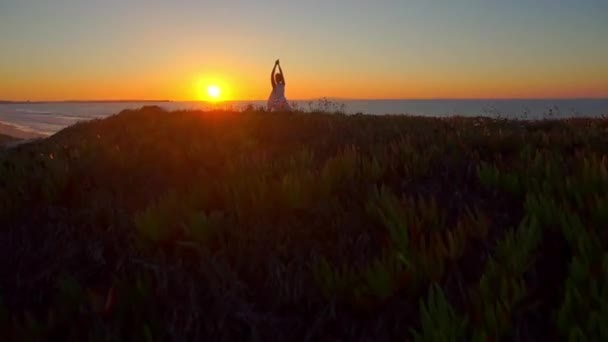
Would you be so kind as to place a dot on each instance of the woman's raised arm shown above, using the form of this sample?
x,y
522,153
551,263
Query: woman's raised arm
x,y
281,72
272,81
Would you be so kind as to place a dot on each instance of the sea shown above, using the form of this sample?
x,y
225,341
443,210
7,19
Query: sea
x,y
49,118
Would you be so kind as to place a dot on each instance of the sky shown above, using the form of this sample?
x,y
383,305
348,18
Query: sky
x,y
382,49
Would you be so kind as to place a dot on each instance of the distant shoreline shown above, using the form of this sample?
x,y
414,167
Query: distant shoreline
x,y
316,99
85,101
17,133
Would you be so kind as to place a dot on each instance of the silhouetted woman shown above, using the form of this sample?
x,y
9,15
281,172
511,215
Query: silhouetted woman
x,y
277,100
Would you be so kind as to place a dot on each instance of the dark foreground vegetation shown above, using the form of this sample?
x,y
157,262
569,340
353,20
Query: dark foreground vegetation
x,y
6,139
154,226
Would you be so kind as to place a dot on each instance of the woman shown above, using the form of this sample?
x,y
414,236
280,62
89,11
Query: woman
x,y
277,100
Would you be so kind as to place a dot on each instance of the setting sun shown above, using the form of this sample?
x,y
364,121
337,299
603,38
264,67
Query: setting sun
x,y
212,88
214,92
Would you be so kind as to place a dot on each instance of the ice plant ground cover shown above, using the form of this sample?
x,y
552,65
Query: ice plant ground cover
x,y
153,226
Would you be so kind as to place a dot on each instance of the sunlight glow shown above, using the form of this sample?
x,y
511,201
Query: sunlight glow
x,y
212,89
214,92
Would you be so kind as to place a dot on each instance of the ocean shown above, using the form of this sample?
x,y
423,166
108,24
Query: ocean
x,y
49,118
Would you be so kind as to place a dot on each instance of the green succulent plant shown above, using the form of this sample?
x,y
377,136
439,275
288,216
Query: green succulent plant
x,y
439,321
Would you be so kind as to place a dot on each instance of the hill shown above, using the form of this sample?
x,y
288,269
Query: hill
x,y
191,225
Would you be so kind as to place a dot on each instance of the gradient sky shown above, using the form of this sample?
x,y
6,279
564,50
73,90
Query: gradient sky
x,y
153,49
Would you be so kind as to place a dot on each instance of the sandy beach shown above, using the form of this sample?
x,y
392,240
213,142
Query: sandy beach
x,y
20,135
17,133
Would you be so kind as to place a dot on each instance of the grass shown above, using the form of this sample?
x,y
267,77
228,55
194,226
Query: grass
x,y
228,226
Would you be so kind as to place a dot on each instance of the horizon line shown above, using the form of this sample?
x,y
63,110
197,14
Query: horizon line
x,y
302,99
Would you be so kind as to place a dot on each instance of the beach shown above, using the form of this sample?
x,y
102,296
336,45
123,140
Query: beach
x,y
11,136
17,133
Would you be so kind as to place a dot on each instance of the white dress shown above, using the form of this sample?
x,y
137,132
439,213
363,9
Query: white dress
x,y
277,100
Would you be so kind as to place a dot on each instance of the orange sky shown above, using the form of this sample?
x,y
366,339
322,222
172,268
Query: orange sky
x,y
250,84
119,50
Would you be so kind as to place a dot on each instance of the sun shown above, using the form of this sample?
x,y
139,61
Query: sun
x,y
214,92
211,89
